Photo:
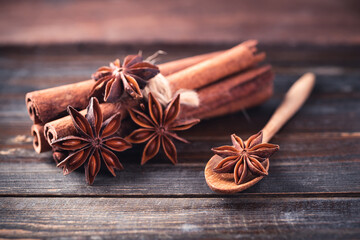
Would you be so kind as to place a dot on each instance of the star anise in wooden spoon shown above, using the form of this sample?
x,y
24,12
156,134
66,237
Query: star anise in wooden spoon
x,y
158,128
94,144
244,158
130,77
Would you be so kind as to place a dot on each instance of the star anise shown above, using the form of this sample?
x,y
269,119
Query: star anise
x,y
94,143
158,127
131,77
245,158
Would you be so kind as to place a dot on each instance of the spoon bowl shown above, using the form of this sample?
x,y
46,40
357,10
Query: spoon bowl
x,y
224,182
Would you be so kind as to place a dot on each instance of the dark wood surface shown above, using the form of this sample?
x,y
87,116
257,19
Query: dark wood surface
x,y
313,187
280,21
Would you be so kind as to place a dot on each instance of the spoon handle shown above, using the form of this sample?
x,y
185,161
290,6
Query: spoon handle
x,y
294,99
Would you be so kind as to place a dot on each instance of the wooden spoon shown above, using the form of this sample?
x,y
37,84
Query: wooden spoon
x,y
294,99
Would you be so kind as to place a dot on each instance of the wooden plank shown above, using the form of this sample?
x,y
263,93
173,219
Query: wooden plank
x,y
317,115
73,60
334,101
180,21
306,163
184,218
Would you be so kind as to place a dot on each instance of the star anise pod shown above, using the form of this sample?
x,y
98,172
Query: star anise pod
x,y
158,128
131,77
94,144
244,158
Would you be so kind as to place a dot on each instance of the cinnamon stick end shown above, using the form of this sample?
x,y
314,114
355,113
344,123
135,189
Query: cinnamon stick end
x,y
39,142
32,111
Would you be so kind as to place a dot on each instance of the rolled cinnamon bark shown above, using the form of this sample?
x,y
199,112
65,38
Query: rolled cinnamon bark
x,y
240,91
232,94
49,104
178,65
40,144
231,61
256,98
216,99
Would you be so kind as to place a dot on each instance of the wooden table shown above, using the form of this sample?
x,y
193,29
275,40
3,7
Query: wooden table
x,y
313,187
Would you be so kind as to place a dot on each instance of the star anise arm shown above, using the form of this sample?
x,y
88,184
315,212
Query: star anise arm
x,y
227,164
132,59
74,160
111,161
183,125
169,149
117,144
116,63
130,85
237,142
80,122
113,89
101,73
94,116
92,167
240,171
225,151
99,82
177,137
263,150
255,166
151,149
254,140
141,119
142,72
172,110
70,143
110,126
140,135
155,110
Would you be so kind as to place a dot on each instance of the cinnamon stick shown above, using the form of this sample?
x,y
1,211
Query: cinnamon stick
x,y
256,98
49,104
213,102
40,144
233,93
178,65
231,61
237,92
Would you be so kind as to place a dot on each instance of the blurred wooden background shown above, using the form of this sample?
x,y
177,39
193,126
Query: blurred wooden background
x,y
187,21
313,187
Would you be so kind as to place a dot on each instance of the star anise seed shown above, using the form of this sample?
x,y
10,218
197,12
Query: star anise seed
x,y
244,158
131,77
94,144
158,128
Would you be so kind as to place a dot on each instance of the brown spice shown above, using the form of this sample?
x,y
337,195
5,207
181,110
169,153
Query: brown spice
x,y
245,158
129,77
233,93
39,142
94,143
157,128
234,60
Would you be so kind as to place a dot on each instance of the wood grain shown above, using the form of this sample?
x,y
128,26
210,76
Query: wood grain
x,y
331,161
179,218
298,21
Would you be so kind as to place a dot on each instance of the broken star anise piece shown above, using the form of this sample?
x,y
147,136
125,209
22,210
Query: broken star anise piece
x,y
131,77
244,158
158,128
94,144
